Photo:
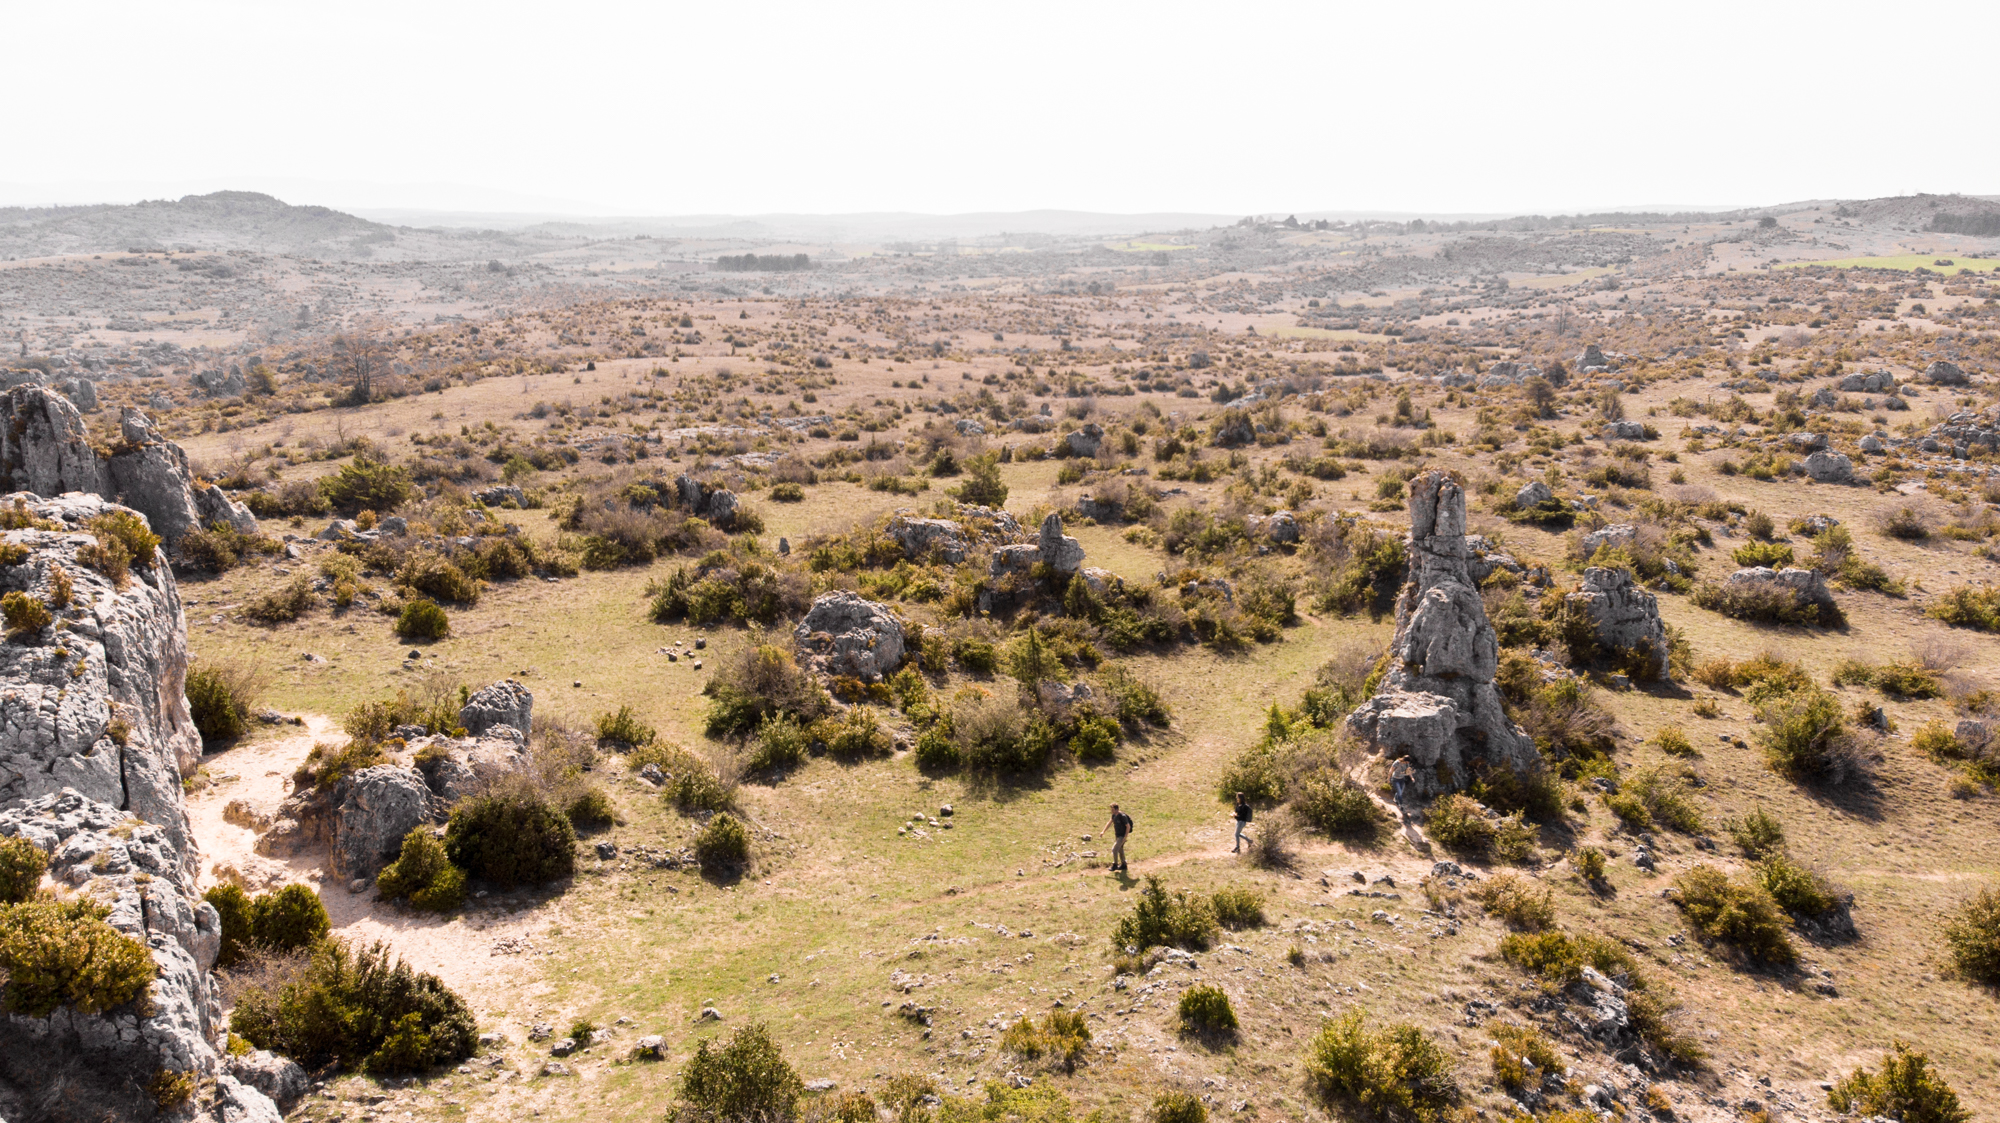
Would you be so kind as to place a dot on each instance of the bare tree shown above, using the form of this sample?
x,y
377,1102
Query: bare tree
x,y
358,358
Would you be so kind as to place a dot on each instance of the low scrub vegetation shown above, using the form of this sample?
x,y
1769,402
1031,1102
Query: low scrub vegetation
x,y
1905,1088
1165,919
1740,913
1396,1071
363,1008
1204,1012
511,837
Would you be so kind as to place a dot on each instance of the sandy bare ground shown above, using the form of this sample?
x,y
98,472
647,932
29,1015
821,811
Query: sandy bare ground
x,y
484,951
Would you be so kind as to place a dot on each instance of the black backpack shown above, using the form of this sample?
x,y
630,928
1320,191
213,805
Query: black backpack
x,y
1245,812
1124,823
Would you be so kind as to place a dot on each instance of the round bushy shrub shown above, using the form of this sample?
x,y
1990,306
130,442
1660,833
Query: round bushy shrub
x,y
748,1078
62,953
219,715
232,904
1336,807
1177,1107
288,919
21,866
25,614
423,875
1459,824
723,846
1973,937
363,1008
591,808
423,620
511,838
1205,1012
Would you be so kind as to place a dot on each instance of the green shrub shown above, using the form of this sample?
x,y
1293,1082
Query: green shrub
x,y
1162,919
1906,1089
691,782
358,1008
1205,1012
1667,799
936,752
1177,1107
511,837
1337,807
780,744
1804,735
1515,1049
281,605
1516,900
1907,680
62,953
1460,824
623,727
1937,741
170,1089
25,614
1560,958
288,919
232,904
327,765
1396,1071
1673,742
982,486
723,846
22,864
127,533
1968,607
762,681
787,493
1095,740
423,620
1797,890
1133,701
1630,809
1238,908
1590,863
1759,833
747,1079
855,736
423,875
1765,604
366,483
1972,936
1061,1039
1772,555
219,701
590,808
1740,914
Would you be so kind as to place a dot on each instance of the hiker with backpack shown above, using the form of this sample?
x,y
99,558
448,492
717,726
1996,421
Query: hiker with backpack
x,y
1119,826
1242,820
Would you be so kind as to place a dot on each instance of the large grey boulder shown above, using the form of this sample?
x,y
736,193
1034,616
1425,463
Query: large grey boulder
x,y
150,474
1591,358
716,504
506,704
44,447
373,810
456,767
1624,431
1437,703
1533,494
1942,373
919,537
113,654
1830,467
1280,527
845,634
1085,442
1801,586
1616,534
81,392
279,1078
1870,382
1624,617
1060,552
500,494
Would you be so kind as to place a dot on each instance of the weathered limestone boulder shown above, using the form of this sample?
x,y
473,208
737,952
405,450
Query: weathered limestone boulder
x,y
1617,534
1591,358
1437,703
1873,443
1533,494
501,493
1236,430
1812,526
1624,617
1830,467
456,767
1085,442
1018,558
81,392
1624,431
505,705
1942,373
1281,527
1872,382
845,634
122,655
1801,586
918,537
1101,581
1806,442
151,476
279,1078
373,810
1483,557
716,504
44,448
1060,552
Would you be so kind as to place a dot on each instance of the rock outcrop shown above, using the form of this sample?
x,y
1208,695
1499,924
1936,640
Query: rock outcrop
x,y
1060,552
845,634
1830,467
374,809
1800,586
1624,617
919,537
716,504
94,740
44,449
1942,373
1086,442
504,705
1437,703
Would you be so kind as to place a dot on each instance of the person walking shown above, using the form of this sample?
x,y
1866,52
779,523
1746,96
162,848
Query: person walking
x,y
1119,826
1402,775
1242,820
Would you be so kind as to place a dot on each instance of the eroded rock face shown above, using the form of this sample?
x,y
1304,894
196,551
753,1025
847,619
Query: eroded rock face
x,y
44,448
1626,617
918,537
1060,552
456,767
1802,586
716,504
1942,373
1437,704
1085,442
845,634
280,1079
123,658
1830,467
504,704
373,810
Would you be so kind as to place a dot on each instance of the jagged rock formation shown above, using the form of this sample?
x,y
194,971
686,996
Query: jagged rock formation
x,y
1799,586
918,537
844,634
1624,617
376,807
1830,467
94,740
1085,442
45,449
1437,704
503,706
1052,547
716,504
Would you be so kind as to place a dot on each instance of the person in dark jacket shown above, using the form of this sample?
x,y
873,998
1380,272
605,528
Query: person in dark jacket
x,y
1119,826
1242,820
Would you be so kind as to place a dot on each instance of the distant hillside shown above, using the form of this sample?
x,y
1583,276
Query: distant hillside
x,y
1946,214
224,220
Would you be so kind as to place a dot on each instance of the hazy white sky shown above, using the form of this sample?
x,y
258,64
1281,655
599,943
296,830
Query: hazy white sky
x,y
674,108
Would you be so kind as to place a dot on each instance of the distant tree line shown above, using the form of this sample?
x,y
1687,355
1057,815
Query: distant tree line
x,y
764,263
1978,225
